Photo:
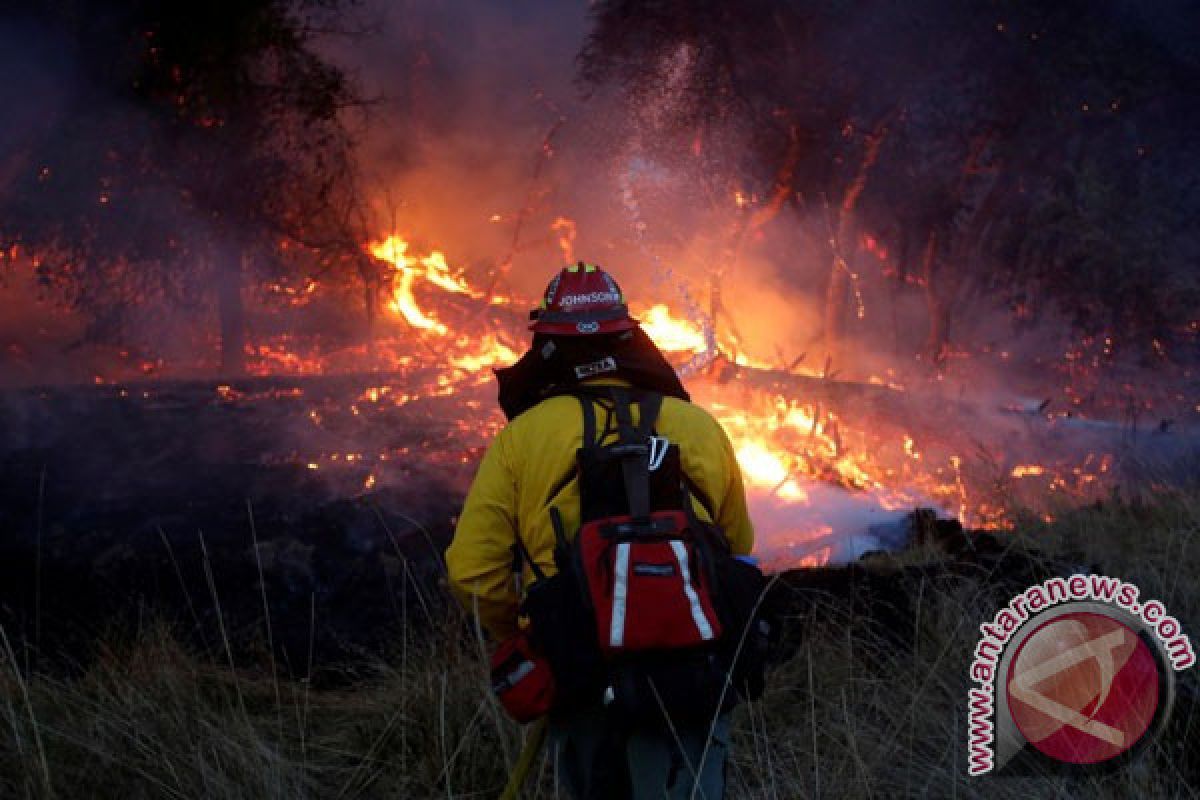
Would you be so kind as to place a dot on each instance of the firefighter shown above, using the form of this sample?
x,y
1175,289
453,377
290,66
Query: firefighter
x,y
584,336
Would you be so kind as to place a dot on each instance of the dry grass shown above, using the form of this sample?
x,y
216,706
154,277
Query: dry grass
x,y
856,715
849,714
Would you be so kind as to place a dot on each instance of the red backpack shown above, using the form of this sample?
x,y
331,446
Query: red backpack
x,y
648,612
645,571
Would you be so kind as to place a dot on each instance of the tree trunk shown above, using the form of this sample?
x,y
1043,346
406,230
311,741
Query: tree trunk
x,y
370,304
946,276
841,243
230,309
938,338
938,345
836,294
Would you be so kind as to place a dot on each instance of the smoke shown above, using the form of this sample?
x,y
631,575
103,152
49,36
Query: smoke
x,y
472,100
35,77
59,151
483,137
483,134
36,68
479,141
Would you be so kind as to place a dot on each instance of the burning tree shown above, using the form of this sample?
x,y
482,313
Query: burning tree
x,y
979,154
199,146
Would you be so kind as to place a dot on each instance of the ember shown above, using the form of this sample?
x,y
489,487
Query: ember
x,y
825,461
822,307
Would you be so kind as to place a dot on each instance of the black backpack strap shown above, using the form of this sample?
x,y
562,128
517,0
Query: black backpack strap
x,y
523,555
625,429
589,418
648,407
692,491
562,548
635,464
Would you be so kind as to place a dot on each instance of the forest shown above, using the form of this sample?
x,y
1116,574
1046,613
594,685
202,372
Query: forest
x,y
931,265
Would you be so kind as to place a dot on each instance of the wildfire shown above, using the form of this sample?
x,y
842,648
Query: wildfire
x,y
812,477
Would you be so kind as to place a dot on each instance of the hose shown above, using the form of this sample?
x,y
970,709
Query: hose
x,y
533,746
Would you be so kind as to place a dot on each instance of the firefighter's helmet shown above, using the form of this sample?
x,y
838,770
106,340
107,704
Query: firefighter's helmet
x,y
582,300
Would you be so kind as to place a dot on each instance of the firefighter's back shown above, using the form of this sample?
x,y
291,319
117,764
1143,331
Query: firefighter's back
x,y
541,447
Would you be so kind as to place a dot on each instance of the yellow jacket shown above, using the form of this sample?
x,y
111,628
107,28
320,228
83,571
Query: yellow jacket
x,y
536,453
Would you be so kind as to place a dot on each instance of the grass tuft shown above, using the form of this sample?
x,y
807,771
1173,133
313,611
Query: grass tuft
x,y
853,711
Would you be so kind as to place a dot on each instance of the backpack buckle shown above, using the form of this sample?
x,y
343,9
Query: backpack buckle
x,y
658,451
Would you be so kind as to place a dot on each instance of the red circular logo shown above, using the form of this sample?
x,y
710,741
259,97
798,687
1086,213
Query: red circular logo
x,y
1083,688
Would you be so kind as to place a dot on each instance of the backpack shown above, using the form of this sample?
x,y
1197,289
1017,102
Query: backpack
x,y
649,612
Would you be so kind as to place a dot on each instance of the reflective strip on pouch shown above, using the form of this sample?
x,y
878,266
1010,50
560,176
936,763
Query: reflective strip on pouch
x,y
706,631
519,673
616,633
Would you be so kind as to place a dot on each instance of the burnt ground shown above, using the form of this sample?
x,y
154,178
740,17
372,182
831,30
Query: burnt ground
x,y
122,505
119,505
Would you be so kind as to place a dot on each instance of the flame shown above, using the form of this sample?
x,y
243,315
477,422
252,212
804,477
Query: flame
x,y
782,447
392,250
470,355
670,333
565,230
438,272
491,352
1025,470
431,268
765,468
798,443
798,457
910,448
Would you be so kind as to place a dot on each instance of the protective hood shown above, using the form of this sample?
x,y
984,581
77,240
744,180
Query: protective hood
x,y
556,364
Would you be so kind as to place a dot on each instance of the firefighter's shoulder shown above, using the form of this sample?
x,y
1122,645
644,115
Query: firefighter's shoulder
x,y
551,426
552,411
691,419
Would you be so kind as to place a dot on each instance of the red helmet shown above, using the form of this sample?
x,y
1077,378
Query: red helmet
x,y
581,300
